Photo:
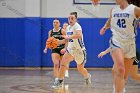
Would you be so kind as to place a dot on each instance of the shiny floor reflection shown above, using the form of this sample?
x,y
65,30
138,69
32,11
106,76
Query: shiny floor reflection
x,y
40,81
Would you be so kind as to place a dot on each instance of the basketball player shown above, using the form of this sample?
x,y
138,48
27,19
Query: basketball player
x,y
58,52
75,50
65,25
122,44
134,69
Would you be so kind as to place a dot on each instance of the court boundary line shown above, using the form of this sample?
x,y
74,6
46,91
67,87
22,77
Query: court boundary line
x,y
45,68
48,68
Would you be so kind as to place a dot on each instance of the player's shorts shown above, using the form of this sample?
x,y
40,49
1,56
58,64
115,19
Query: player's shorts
x,y
79,55
135,62
128,47
137,55
57,50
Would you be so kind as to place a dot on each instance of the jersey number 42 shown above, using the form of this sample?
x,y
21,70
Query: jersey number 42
x,y
121,23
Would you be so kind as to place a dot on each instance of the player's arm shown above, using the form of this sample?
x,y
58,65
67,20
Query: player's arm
x,y
107,25
139,24
64,49
137,12
63,32
64,41
49,35
78,34
103,53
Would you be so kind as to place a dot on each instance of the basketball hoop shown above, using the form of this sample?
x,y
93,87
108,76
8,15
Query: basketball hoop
x,y
95,7
95,2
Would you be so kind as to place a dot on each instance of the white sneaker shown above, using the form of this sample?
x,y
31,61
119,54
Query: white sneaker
x,y
124,90
113,88
66,87
57,84
66,73
88,80
56,79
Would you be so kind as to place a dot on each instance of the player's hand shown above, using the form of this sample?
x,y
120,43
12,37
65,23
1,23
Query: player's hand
x,y
101,54
66,37
45,50
102,31
63,51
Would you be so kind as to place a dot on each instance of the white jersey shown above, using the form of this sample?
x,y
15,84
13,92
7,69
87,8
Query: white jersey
x,y
123,23
74,43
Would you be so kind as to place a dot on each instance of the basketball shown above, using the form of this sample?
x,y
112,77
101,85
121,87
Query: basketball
x,y
51,43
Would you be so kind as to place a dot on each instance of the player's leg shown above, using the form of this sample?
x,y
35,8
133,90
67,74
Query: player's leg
x,y
134,68
55,59
84,72
119,70
128,64
67,58
134,71
66,72
80,58
113,70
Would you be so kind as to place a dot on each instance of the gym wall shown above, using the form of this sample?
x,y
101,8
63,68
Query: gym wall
x,y
24,26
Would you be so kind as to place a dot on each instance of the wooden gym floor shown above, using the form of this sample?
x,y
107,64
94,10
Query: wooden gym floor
x,y
40,81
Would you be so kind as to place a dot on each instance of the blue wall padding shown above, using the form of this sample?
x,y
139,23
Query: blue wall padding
x,y
12,42
32,42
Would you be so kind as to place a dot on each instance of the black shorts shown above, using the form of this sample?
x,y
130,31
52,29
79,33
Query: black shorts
x,y
135,63
57,50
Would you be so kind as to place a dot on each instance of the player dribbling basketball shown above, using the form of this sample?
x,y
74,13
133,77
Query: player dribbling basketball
x,y
57,53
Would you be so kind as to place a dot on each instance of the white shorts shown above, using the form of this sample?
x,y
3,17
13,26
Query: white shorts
x,y
129,47
79,55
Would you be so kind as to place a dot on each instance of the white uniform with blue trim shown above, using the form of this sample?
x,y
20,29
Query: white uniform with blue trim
x,y
76,46
123,24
